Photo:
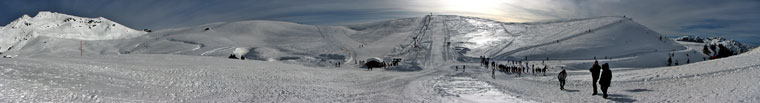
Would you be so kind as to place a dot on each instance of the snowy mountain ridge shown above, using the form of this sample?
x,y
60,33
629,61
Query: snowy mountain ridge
x,y
735,46
52,24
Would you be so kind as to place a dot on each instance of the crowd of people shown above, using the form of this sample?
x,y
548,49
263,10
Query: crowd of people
x,y
514,67
601,74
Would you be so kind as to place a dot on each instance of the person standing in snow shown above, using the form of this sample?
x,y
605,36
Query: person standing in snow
x,y
482,60
595,75
493,71
533,68
544,70
670,60
464,68
493,64
676,61
561,76
519,71
606,78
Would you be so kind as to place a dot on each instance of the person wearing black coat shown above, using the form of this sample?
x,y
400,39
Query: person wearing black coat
x,y
595,75
605,79
561,76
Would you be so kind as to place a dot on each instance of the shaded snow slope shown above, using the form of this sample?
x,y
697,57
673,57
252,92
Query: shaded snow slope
x,y
52,24
264,40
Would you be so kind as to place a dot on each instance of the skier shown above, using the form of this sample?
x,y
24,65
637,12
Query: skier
x,y
533,68
606,79
482,60
688,61
595,75
464,68
493,71
676,62
544,70
562,75
670,61
493,64
519,71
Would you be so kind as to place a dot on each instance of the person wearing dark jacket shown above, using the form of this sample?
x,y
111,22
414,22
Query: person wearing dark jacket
x,y
562,75
595,75
606,79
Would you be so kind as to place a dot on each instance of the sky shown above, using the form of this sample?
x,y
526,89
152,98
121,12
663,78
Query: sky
x,y
733,19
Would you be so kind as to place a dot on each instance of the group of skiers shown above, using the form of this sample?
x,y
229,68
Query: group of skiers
x,y
457,68
336,64
672,55
516,67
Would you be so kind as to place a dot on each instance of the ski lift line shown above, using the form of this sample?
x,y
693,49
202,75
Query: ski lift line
x,y
505,55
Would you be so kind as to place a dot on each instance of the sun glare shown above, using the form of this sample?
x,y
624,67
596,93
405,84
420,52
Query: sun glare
x,y
491,9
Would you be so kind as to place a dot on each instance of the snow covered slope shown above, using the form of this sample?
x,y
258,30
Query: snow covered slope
x,y
572,39
566,39
263,40
51,24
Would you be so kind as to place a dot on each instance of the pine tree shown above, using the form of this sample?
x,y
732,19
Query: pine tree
x,y
706,50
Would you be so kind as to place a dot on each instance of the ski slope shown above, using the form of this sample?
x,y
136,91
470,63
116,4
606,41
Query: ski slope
x,y
289,62
573,39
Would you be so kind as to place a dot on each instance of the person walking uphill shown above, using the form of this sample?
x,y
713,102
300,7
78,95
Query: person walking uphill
x,y
606,78
562,75
595,75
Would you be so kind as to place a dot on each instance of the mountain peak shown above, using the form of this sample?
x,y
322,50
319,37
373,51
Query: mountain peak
x,y
59,25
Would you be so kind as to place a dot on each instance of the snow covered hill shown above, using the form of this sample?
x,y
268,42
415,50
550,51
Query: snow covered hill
x,y
50,24
619,39
189,64
573,39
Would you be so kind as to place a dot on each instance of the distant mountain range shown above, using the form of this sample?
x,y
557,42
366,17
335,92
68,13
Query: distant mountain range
x,y
714,45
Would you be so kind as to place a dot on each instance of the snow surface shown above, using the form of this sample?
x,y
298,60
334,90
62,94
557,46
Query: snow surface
x,y
289,62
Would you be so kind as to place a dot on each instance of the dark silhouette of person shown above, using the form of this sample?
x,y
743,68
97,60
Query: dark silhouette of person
x,y
561,76
606,79
670,61
493,64
595,75
482,60
544,70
